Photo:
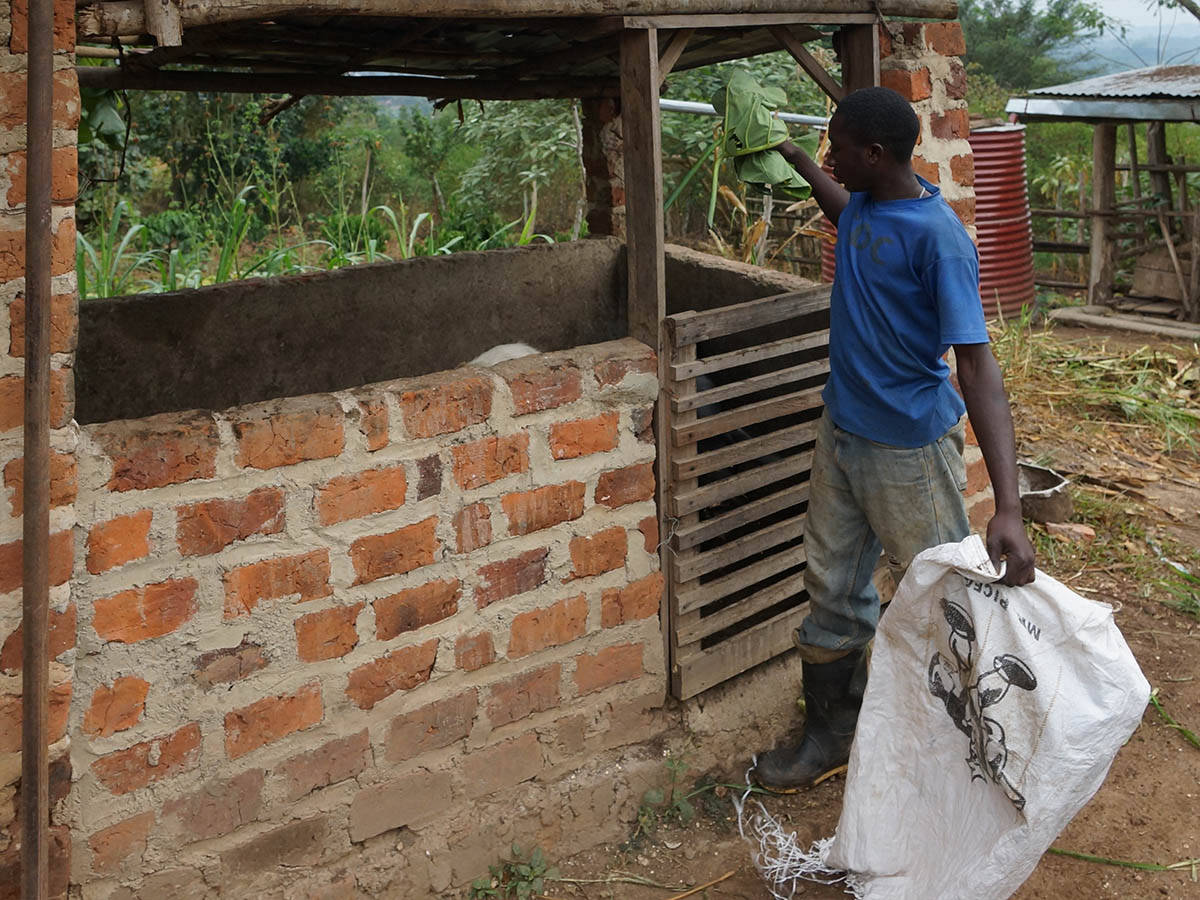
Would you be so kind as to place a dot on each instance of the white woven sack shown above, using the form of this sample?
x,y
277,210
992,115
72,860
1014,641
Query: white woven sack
x,y
991,716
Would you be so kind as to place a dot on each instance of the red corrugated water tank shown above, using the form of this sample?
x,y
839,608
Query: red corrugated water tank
x,y
1002,220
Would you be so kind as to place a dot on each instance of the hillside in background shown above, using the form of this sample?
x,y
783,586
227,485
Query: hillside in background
x,y
1147,45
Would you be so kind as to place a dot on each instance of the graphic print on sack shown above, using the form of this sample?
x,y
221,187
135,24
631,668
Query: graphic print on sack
x,y
965,702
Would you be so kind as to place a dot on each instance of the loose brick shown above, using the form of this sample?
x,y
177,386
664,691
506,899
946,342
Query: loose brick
x,y
546,387
10,717
930,171
977,478
482,462
305,575
409,801
446,408
911,84
473,527
956,81
598,553
524,695
394,553
328,764
962,168
140,614
945,38
116,708
537,629
328,634
416,608
150,761
502,766
213,525
438,724
291,846
159,451
373,423
64,324
62,561
12,399
114,845
613,370
627,485
118,541
543,507
61,638
64,25
954,123
569,440
612,665
474,651
429,477
228,665
271,719
640,600
64,481
400,670
510,577
217,809
649,529
355,496
285,437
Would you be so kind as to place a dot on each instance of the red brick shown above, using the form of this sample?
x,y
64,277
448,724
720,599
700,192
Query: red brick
x,y
598,553
885,41
229,664
649,529
488,460
64,175
116,708
956,81
150,761
328,764
612,665
62,561
912,85
954,123
10,717
299,843
61,638
473,526
64,324
439,724
64,25
613,370
538,629
213,525
373,423
162,450
147,612
306,574
545,387
355,496
474,651
62,242
569,440
981,512
429,477
64,481
328,634
118,541
217,809
400,670
271,719
502,766
964,208
12,399
113,845
640,600
416,608
642,421
394,553
962,169
543,507
285,437
446,408
510,577
970,434
524,695
65,100
945,38
930,171
628,485
977,478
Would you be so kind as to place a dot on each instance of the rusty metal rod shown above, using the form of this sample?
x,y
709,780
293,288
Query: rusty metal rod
x,y
35,597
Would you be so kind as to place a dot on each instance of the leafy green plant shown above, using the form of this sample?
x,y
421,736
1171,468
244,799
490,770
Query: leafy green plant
x,y
106,267
237,224
518,877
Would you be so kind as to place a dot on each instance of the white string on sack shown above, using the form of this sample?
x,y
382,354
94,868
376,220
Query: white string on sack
x,y
777,856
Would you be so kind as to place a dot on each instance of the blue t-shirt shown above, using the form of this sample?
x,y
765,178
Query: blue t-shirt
x,y
906,289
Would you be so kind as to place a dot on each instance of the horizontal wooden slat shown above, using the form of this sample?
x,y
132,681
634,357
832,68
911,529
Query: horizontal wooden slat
x,y
753,385
686,538
746,355
766,598
743,451
693,596
749,20
695,326
687,566
750,414
741,483
703,668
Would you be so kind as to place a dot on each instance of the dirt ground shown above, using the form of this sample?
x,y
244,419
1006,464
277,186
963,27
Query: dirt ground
x,y
1148,810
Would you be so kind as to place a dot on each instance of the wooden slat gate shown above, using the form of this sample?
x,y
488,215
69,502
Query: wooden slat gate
x,y
744,385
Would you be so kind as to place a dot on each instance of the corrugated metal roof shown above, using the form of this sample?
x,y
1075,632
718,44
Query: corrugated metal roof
x,y
1157,81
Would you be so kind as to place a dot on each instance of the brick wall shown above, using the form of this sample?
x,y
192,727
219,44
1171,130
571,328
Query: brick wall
x,y
13,50
313,628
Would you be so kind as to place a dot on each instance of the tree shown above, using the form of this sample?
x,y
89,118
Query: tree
x,y
1024,44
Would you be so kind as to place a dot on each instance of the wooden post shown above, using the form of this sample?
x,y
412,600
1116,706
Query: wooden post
x,y
860,56
1135,177
647,301
1104,161
1156,155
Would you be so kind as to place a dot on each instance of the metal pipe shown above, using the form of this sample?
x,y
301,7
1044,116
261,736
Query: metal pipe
x,y
707,109
35,596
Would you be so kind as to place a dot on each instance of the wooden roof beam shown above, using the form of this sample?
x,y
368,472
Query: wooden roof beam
x,y
808,62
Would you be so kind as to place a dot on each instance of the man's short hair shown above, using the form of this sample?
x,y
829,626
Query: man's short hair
x,y
878,115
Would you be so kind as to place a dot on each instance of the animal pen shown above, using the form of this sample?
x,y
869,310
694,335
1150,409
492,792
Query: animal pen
x,y
298,603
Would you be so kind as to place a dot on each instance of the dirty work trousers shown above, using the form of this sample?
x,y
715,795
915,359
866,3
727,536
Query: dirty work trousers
x,y
864,497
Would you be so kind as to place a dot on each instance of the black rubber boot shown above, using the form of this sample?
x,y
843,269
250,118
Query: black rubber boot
x,y
833,694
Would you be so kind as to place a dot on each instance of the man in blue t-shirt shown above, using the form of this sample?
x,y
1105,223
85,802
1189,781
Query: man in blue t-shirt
x,y
888,471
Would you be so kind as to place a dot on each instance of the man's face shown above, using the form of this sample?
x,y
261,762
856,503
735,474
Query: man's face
x,y
853,164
